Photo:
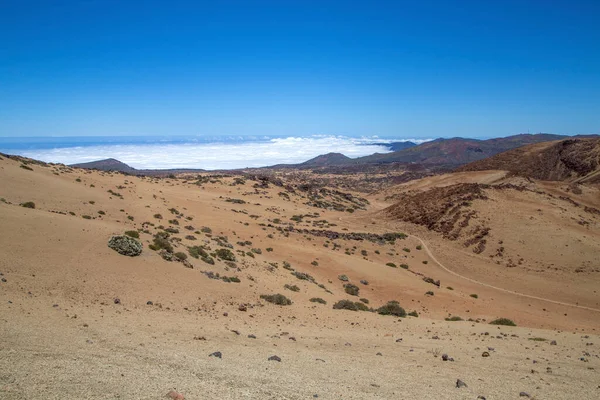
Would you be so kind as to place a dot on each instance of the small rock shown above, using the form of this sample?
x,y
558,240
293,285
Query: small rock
x,y
485,354
481,397
225,314
398,340
243,307
378,354
274,358
251,336
553,343
173,395
216,354
236,332
199,338
149,303
460,384
524,394
117,300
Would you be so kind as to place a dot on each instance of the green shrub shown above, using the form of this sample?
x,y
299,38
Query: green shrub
x,y
346,305
454,318
406,249
351,289
366,301
503,321
181,256
317,300
343,278
404,266
28,204
278,299
413,314
133,234
158,216
28,168
391,264
429,293
101,212
474,296
86,217
293,288
392,308
225,254
419,247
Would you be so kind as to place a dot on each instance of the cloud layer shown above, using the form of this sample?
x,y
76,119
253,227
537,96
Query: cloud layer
x,y
212,156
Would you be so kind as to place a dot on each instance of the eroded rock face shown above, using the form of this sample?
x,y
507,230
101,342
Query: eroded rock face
x,y
125,245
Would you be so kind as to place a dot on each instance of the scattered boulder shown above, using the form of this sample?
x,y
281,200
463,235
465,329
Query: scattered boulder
x,y
524,394
553,343
217,354
460,384
125,245
173,395
274,358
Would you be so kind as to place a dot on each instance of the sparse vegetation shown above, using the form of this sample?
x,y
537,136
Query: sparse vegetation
x,y
454,318
278,299
225,254
351,289
503,321
28,204
392,308
391,264
293,288
474,296
133,234
317,300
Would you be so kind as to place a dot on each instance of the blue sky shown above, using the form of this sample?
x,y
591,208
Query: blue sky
x,y
400,69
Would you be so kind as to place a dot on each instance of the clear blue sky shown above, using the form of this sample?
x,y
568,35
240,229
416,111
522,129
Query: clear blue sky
x,y
400,68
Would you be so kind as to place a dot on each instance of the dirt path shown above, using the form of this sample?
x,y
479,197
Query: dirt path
x,y
495,287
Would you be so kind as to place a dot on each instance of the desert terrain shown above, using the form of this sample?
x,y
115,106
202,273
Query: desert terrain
x,y
191,316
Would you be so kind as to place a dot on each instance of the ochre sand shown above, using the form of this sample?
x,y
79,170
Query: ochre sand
x,y
63,336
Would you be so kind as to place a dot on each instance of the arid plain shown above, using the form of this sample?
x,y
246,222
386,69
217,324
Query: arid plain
x,y
457,250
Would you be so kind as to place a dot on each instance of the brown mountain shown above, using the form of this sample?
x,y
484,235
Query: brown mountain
x,y
326,160
458,151
572,159
109,164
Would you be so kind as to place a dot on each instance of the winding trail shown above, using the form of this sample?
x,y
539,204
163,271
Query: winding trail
x,y
495,287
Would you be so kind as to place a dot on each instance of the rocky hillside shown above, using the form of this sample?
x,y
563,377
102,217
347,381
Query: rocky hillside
x,y
572,159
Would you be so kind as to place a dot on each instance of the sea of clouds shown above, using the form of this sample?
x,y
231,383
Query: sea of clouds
x,y
215,155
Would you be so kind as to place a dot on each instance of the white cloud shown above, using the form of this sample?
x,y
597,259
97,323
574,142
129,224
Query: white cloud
x,y
212,156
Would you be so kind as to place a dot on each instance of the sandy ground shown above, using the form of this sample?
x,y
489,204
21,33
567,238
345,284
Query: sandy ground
x,y
63,336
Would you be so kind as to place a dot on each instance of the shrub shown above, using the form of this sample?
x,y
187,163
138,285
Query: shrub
x,y
269,249
234,279
404,266
181,256
86,217
317,300
391,264
474,296
28,168
392,308
366,301
161,241
345,305
199,252
419,247
406,249
225,254
293,288
503,321
351,289
302,275
206,229
157,216
315,263
429,293
125,245
450,288
425,262
101,212
130,217
28,204
278,299
413,314
454,318
133,234
343,278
